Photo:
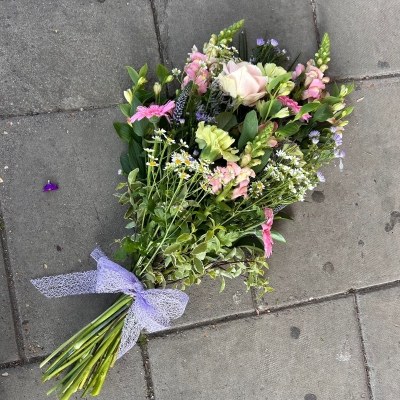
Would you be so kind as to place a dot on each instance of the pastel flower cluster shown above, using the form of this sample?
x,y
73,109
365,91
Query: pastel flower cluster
x,y
231,176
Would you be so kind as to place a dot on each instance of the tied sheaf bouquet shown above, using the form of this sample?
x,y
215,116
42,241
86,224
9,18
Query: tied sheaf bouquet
x,y
208,172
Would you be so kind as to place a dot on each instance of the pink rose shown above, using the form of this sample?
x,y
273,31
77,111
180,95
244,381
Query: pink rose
x,y
244,81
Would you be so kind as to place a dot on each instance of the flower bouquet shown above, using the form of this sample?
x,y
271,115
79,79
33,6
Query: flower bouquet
x,y
214,153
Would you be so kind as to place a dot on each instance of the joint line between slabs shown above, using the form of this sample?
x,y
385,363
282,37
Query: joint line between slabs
x,y
314,15
147,370
12,295
366,365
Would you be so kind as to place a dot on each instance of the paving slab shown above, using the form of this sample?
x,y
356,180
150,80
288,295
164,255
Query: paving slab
x,y
347,234
124,382
72,53
264,19
207,304
50,233
380,322
363,37
8,346
311,352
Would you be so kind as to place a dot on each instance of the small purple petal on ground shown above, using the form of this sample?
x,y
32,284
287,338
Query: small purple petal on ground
x,y
50,186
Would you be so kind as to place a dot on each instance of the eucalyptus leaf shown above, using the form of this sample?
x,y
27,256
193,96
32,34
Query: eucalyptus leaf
x,y
288,129
226,121
264,160
323,113
306,109
249,130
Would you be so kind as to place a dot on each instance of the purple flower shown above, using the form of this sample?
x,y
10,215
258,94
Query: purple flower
x,y
333,129
314,136
320,177
338,139
273,42
50,186
260,42
339,153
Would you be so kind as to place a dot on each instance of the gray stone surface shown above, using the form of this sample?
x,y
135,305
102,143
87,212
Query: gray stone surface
x,y
124,382
312,351
71,54
364,36
8,346
206,303
347,235
380,322
50,233
264,19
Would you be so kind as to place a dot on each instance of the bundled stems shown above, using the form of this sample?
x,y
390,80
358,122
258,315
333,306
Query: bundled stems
x,y
90,353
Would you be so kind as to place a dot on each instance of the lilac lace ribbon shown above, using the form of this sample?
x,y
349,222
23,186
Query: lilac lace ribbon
x,y
152,309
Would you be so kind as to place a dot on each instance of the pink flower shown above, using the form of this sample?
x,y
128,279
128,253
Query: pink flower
x,y
314,91
300,68
244,81
198,56
196,72
266,231
153,111
240,190
294,106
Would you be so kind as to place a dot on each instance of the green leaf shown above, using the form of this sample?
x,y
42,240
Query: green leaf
x,y
132,176
242,48
276,81
126,109
323,113
331,100
161,73
125,164
143,71
335,90
135,159
185,237
277,236
133,74
209,235
201,248
173,248
288,129
124,131
198,265
131,225
306,109
264,160
226,121
222,285
120,254
249,130
250,241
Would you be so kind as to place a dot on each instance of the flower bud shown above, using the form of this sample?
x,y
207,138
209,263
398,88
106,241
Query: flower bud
x,y
128,96
245,160
142,80
169,79
157,88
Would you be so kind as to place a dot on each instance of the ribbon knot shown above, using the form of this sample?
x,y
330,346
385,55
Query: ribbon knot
x,y
152,309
